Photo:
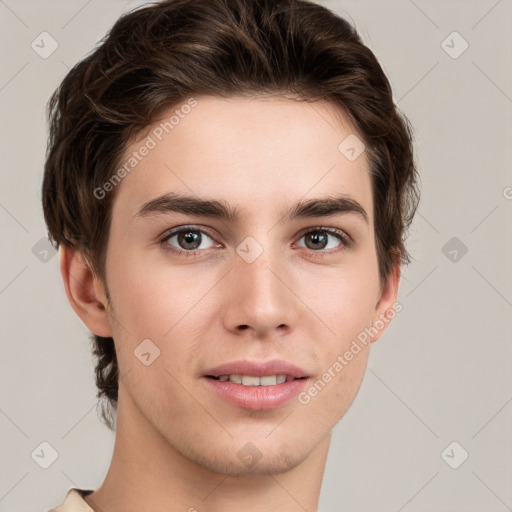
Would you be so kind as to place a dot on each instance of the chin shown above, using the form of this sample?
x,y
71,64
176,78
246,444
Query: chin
x,y
233,466
246,457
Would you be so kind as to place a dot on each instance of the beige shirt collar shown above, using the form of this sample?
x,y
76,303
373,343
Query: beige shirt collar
x,y
74,502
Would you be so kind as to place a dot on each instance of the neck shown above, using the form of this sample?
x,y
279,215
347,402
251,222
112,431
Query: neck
x,y
148,473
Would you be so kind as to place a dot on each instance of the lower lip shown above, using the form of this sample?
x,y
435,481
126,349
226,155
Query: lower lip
x,y
257,398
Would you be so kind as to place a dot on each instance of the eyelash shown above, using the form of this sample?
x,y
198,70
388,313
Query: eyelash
x,y
346,241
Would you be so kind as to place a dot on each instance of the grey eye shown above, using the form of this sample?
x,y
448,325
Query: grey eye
x,y
189,239
319,240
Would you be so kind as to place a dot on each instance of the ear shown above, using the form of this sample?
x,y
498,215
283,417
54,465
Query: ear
x,y
386,307
85,291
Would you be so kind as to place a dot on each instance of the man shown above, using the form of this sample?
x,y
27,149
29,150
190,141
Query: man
x,y
230,185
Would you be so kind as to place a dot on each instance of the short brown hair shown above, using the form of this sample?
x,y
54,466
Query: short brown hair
x,y
158,56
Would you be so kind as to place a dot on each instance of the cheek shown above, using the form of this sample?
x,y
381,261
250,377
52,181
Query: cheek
x,y
344,300
345,305
159,301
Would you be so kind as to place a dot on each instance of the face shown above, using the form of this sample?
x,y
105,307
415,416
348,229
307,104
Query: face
x,y
276,276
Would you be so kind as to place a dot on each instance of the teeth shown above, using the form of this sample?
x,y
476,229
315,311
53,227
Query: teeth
x,y
250,380
270,380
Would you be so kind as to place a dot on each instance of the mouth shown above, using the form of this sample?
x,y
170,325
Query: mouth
x,y
256,386
252,380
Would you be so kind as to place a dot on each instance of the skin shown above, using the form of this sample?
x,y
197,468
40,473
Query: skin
x,y
177,443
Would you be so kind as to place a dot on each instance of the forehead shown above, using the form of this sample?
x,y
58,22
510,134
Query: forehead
x,y
249,152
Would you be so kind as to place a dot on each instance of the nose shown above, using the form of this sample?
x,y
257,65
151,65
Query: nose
x,y
259,298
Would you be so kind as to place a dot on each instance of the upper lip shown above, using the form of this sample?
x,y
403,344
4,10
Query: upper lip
x,y
257,369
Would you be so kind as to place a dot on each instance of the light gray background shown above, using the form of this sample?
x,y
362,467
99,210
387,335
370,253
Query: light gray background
x,y
441,373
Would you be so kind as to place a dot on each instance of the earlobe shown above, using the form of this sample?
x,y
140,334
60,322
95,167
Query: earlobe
x,y
385,308
84,291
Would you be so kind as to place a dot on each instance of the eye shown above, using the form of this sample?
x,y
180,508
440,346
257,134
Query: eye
x,y
187,240
320,239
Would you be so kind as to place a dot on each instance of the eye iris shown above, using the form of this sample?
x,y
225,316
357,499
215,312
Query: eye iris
x,y
189,239
317,238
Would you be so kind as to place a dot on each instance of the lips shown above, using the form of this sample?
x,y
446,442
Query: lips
x,y
256,386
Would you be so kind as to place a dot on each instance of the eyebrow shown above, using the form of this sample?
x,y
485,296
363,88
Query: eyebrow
x,y
318,207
